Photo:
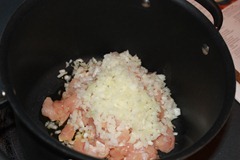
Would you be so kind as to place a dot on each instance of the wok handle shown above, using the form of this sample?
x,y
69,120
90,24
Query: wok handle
x,y
215,11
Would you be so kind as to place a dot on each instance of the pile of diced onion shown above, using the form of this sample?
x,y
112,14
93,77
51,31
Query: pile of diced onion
x,y
119,93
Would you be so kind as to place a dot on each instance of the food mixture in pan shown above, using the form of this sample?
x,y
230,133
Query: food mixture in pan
x,y
113,109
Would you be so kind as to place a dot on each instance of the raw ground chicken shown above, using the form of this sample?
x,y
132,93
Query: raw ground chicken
x,y
113,109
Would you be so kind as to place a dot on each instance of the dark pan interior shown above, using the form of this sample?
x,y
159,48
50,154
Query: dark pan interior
x,y
167,38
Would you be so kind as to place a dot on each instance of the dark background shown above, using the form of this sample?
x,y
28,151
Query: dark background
x,y
225,146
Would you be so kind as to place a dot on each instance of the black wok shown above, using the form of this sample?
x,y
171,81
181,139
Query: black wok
x,y
169,36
